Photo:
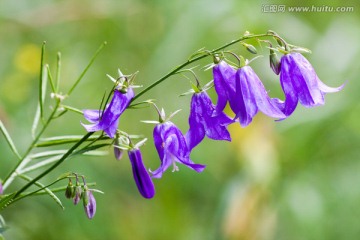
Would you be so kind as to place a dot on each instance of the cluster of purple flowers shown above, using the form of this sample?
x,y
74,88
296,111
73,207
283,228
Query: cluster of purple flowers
x,y
241,88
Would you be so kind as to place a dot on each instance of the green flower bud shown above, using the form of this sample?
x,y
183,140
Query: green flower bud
x,y
250,48
78,194
274,62
70,191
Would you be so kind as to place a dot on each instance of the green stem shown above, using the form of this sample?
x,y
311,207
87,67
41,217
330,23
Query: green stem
x,y
189,61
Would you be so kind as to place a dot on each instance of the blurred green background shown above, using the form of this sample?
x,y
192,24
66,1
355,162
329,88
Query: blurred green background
x,y
295,179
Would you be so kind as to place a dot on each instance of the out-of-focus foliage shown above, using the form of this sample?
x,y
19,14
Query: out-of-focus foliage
x,y
294,179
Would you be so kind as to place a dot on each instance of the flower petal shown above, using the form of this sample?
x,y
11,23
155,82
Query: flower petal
x,y
141,176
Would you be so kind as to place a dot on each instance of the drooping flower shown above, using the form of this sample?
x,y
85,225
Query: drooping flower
x,y
108,120
224,83
171,147
203,122
300,83
251,96
141,176
89,203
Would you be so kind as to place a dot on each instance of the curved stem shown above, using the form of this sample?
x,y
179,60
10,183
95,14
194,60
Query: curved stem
x,y
176,69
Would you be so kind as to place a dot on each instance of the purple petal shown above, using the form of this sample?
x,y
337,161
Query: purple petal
x,y
90,208
259,95
326,89
141,176
224,84
92,115
172,147
1,188
110,118
215,126
196,131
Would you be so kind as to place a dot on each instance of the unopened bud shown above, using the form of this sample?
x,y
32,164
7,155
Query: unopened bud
x,y
69,192
250,48
274,62
216,58
89,203
118,152
78,192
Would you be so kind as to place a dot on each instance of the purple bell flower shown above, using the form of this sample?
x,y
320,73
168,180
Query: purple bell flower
x,y
171,147
300,82
224,83
1,188
141,176
108,120
251,97
203,122
89,204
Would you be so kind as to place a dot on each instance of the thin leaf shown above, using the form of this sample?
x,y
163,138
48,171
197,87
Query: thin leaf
x,y
9,140
90,148
48,161
87,68
72,109
36,121
47,154
42,81
50,79
58,68
6,201
47,190
46,142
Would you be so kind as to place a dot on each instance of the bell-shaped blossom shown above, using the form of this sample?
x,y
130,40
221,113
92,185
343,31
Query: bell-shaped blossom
x,y
141,176
300,83
224,83
89,204
171,147
108,120
203,121
1,188
251,96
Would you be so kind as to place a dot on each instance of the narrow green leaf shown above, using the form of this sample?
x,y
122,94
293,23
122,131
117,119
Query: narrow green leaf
x,y
36,121
53,89
72,109
9,140
42,85
47,190
46,142
87,68
47,153
90,148
6,201
58,69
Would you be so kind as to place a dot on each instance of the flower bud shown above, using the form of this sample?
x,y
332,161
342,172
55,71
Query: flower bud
x,y
89,203
78,192
274,62
118,152
69,192
250,48
216,58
